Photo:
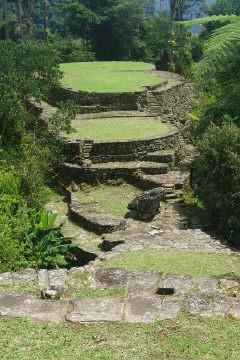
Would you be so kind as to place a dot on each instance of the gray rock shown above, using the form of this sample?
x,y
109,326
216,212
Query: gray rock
x,y
25,305
143,282
47,311
96,309
147,205
25,276
141,309
6,278
181,284
43,280
226,284
207,305
147,309
57,278
110,278
52,293
205,284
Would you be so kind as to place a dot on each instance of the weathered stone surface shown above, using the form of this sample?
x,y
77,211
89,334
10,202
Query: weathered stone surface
x,y
6,278
181,284
52,292
147,309
14,304
43,280
25,276
226,284
25,305
207,305
147,205
142,309
143,282
170,309
235,310
47,311
110,278
184,240
96,309
57,278
205,284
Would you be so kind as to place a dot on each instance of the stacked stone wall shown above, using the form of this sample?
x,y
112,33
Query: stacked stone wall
x,y
125,150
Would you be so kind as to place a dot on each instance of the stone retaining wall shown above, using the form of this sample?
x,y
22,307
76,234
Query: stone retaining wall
x,y
173,101
97,102
125,150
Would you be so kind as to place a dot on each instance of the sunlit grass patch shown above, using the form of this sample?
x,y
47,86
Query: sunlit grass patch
x,y
179,262
112,76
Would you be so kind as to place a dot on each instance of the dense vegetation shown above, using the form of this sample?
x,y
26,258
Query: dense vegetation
x,y
29,148
79,30
217,131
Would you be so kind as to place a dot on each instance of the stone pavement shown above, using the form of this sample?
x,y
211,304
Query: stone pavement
x,y
147,296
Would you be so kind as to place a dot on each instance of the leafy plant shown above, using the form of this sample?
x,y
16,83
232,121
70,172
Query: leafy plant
x,y
47,246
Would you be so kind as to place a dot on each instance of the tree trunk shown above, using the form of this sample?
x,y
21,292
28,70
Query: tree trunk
x,y
20,19
29,24
45,20
5,18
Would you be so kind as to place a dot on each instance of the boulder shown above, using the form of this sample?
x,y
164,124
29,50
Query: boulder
x,y
147,205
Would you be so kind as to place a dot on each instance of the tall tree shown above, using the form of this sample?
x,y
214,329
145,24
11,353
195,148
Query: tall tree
x,y
45,20
5,18
20,18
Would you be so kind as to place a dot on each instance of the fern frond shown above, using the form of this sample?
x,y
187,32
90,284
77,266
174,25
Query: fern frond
x,y
221,55
221,19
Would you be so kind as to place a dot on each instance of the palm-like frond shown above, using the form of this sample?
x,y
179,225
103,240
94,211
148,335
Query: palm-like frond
x,y
220,19
221,56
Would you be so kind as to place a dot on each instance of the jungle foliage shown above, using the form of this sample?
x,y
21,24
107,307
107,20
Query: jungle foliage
x,y
217,129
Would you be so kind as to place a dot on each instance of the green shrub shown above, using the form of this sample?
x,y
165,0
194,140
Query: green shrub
x,y
70,49
48,248
15,222
216,177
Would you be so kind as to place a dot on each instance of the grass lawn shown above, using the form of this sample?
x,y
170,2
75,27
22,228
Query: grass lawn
x,y
108,129
187,338
112,76
178,262
113,199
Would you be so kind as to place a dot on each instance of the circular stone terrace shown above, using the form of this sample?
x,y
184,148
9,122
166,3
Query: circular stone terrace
x,y
119,126
121,136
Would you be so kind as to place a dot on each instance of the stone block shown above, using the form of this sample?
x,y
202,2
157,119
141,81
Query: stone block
x,y
207,305
96,309
110,278
25,305
25,276
6,278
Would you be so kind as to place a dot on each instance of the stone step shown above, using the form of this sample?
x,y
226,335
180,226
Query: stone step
x,y
146,166
162,156
174,179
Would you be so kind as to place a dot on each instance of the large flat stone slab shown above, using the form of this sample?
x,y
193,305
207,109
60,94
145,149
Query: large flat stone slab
x,y
96,309
25,305
143,282
200,304
147,309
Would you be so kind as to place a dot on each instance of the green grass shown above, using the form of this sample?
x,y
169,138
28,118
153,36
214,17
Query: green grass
x,y
185,339
109,129
79,285
113,199
115,76
179,262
